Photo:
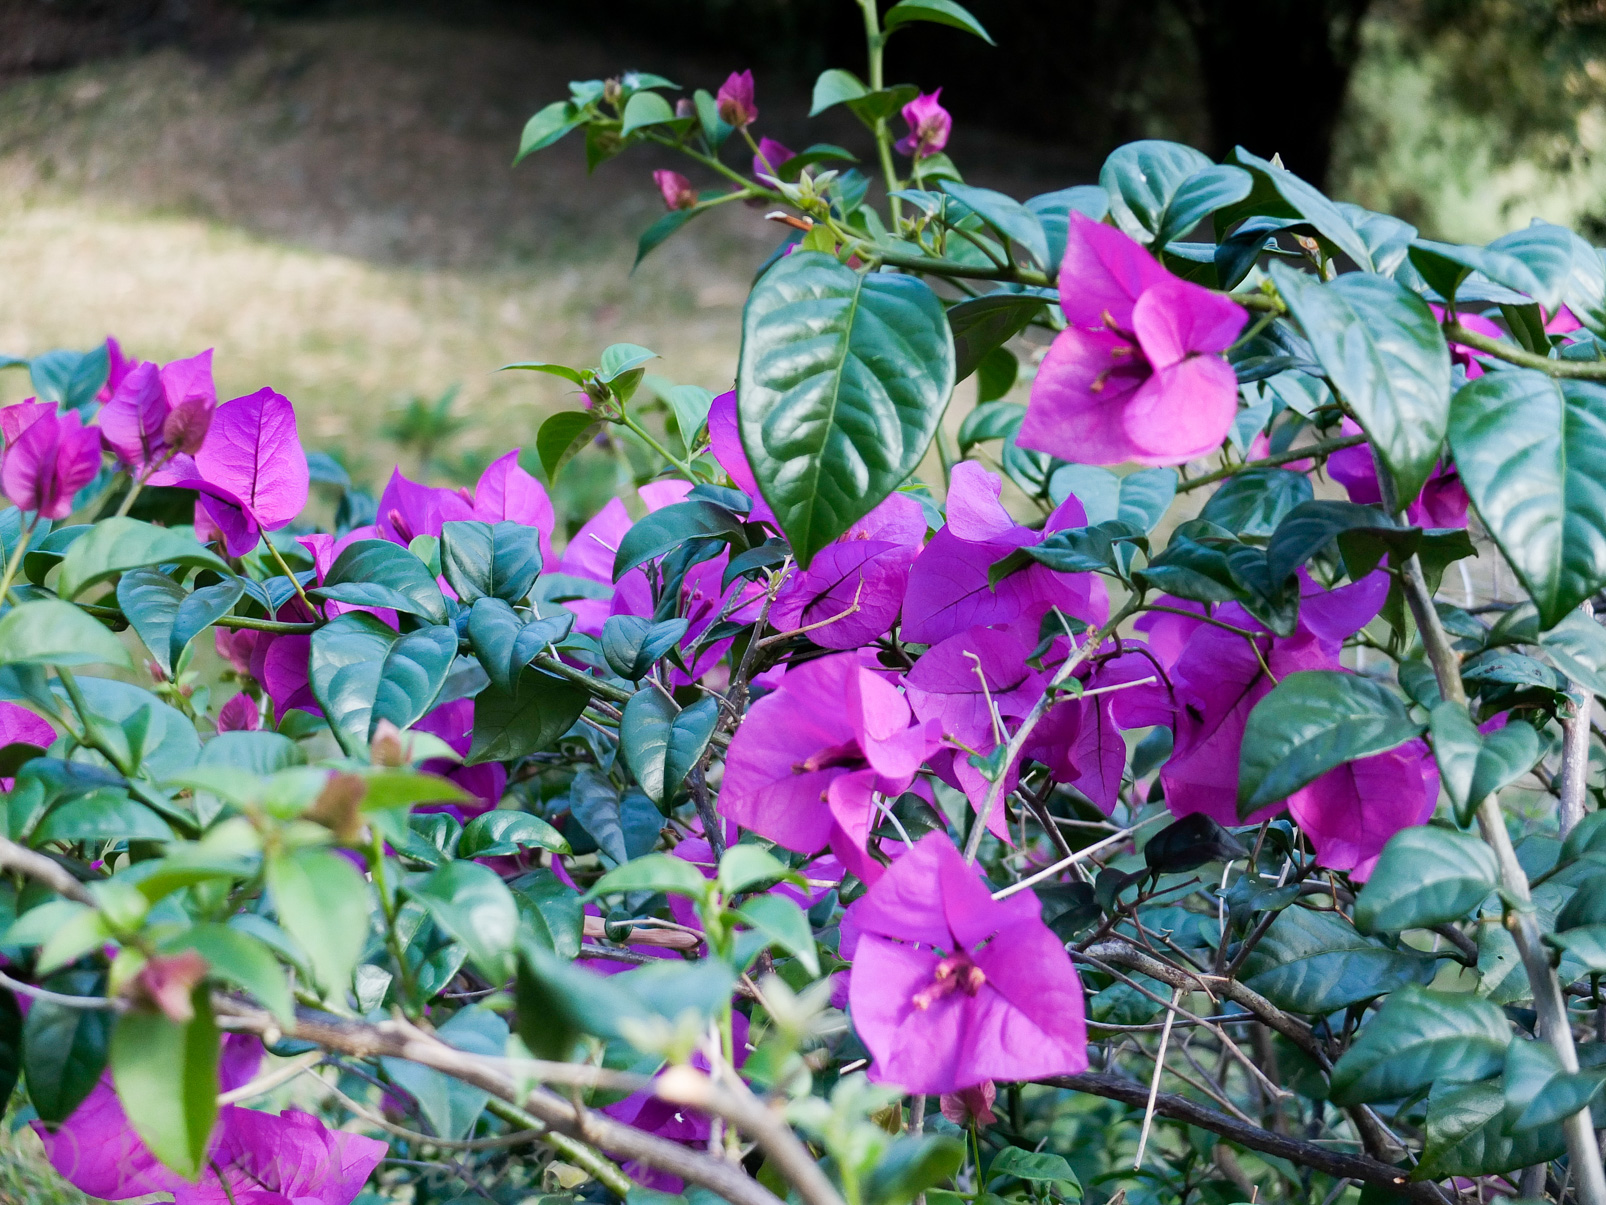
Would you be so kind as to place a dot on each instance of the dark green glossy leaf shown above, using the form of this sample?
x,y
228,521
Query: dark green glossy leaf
x,y
508,725
1054,210
1254,502
996,374
1005,215
632,644
550,911
842,382
1200,195
939,12
1143,177
1466,1135
377,573
70,377
1426,876
661,743
484,560
166,1077
1311,722
118,544
1382,349
1315,962
502,833
412,675
1565,269
1300,200
1531,451
199,611
669,527
1420,1038
561,436
1190,843
63,1048
1539,1091
345,665
622,828
150,599
505,644
1311,526
1474,766
982,324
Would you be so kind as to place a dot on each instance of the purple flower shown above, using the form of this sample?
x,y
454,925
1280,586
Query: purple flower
x,y
251,473
725,443
865,572
1350,812
771,155
239,714
735,100
155,414
49,457
948,588
408,509
677,191
951,988
806,765
1443,501
253,1159
506,493
1136,376
454,723
18,725
118,366
929,126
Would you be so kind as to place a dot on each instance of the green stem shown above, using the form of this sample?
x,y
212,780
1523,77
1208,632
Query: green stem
x,y
646,437
294,580
932,266
276,626
714,165
14,561
602,1169
1577,370
1321,448
128,498
387,903
876,45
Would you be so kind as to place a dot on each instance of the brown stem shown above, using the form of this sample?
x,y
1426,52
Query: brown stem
x,y
37,866
1322,448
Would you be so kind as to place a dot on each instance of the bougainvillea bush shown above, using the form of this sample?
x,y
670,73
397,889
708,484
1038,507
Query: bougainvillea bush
x,y
1188,793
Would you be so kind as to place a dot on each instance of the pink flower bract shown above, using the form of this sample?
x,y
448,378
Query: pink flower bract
x,y
929,125
676,190
951,988
1137,375
735,100
49,457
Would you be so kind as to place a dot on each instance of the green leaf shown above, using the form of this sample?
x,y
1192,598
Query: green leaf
x,y
505,833
561,436
70,377
1578,647
326,906
1474,766
1531,451
1141,179
842,382
1039,1167
509,725
150,599
690,405
199,611
1200,195
1005,215
50,632
1255,502
1312,526
1446,265
996,374
166,1078
1300,200
548,125
784,924
241,960
1564,268
651,239
834,87
1315,962
1425,876
1466,1135
661,743
472,903
939,12
1420,1038
1311,722
1054,210
344,668
388,789
550,910
377,573
505,644
1385,355
412,675
912,1164
645,109
1539,1091
622,828
450,1106
63,1048
105,815
669,527
654,872
119,544
632,644
482,560
745,866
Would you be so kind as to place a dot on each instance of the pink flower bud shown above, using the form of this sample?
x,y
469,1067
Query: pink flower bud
x,y
971,1106
677,190
239,714
929,126
49,457
166,984
735,99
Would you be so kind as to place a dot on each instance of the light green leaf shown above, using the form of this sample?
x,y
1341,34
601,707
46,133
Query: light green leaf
x,y
326,906
939,12
50,632
118,544
784,924
655,872
166,1078
472,903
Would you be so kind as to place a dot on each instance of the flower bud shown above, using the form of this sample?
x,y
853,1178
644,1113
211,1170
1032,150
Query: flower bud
x,y
185,427
338,807
735,100
387,748
166,984
971,1106
676,189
